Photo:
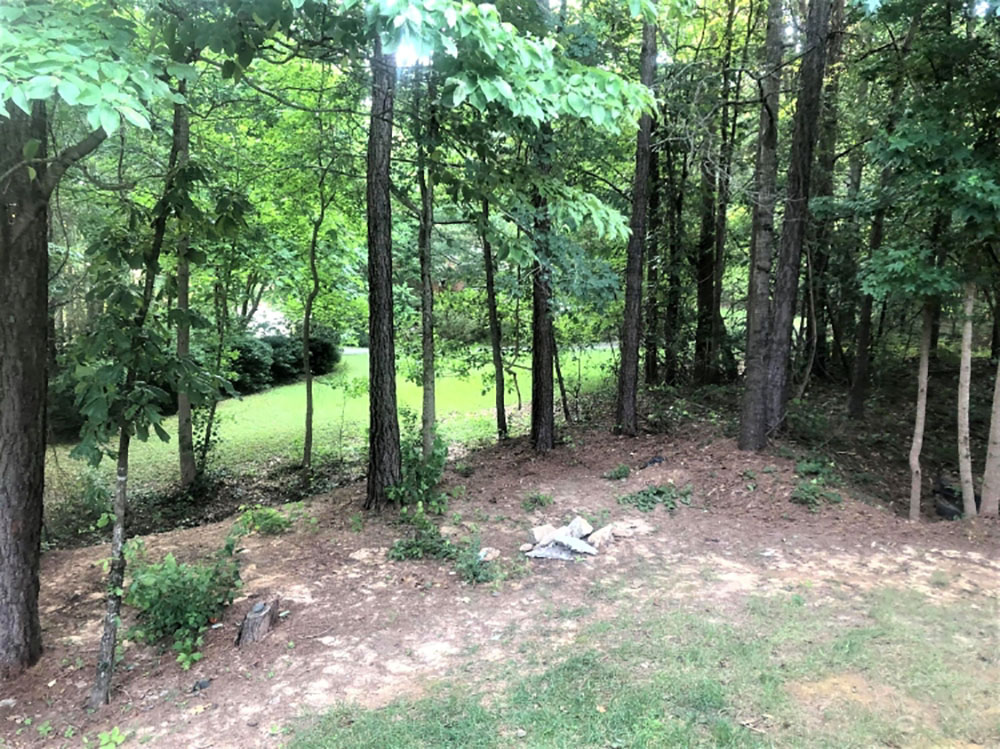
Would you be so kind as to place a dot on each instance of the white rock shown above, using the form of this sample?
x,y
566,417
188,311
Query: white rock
x,y
543,533
488,554
526,547
579,528
551,551
599,538
573,543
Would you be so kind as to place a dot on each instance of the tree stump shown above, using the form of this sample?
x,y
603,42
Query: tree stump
x,y
258,622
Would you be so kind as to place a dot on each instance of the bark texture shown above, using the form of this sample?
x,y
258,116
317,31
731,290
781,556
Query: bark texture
x,y
383,442
753,418
543,428
990,505
795,221
23,375
628,375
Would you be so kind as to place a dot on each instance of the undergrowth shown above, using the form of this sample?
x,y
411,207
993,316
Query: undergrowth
x,y
668,495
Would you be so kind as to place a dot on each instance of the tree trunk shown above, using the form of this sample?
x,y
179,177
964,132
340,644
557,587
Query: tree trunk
x,y
24,272
964,380
653,261
307,439
704,268
543,436
990,504
543,432
384,468
753,417
796,217
495,333
628,374
562,385
916,477
424,237
185,437
672,311
100,693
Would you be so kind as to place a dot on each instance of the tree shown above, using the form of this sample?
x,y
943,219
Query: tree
x,y
753,420
85,57
384,456
628,376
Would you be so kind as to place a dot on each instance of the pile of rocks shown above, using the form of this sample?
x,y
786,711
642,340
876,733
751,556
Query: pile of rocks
x,y
578,537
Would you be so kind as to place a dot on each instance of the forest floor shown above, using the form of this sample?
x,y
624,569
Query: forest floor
x,y
741,619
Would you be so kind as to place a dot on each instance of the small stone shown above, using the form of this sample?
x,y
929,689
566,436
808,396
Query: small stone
x,y
253,723
488,554
603,536
526,547
9,702
543,533
520,733
579,528
201,684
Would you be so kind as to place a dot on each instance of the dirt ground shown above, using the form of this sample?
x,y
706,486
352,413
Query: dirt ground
x,y
365,630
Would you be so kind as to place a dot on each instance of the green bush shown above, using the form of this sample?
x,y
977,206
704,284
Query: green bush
x,y
177,600
622,471
286,358
425,540
536,501
420,477
324,350
252,365
471,568
82,516
265,520
667,495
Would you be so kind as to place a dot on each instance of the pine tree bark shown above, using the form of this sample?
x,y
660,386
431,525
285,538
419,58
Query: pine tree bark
x,y
185,436
628,374
494,318
964,381
753,417
384,458
24,270
796,217
704,268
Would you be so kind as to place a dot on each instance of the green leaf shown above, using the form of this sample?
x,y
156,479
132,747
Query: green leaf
x,y
41,87
134,117
20,100
30,148
109,119
69,91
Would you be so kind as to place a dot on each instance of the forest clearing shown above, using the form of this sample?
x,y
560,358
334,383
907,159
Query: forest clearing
x,y
425,373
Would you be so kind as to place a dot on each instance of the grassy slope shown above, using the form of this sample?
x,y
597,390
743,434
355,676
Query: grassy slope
x,y
266,428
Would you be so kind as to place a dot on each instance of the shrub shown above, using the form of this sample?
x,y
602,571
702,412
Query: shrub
x,y
425,540
470,566
177,600
82,513
286,358
667,495
324,350
622,471
265,520
536,501
252,365
420,477
63,416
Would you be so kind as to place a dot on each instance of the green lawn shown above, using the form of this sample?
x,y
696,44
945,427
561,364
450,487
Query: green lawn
x,y
265,429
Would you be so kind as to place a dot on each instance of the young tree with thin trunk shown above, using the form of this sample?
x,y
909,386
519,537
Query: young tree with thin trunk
x,y
384,456
990,504
494,320
916,445
964,381
628,375
425,233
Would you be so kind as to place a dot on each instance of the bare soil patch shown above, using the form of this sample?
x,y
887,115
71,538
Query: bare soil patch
x,y
362,629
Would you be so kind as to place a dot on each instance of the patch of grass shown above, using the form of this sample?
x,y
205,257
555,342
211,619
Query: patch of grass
x,y
622,471
264,520
536,501
717,678
818,474
667,495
